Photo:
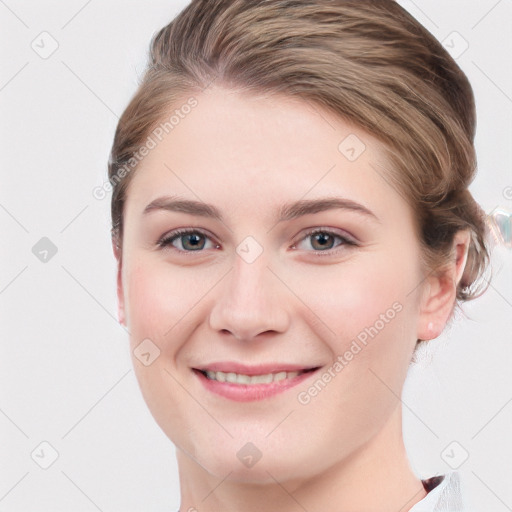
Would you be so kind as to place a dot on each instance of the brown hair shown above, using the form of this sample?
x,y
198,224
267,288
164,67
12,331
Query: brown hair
x,y
368,61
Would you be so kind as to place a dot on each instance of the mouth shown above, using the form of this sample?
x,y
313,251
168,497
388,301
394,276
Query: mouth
x,y
250,380
251,383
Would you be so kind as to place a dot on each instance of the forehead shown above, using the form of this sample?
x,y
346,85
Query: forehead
x,y
237,149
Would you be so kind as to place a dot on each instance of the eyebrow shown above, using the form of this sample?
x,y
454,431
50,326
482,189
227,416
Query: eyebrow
x,y
287,212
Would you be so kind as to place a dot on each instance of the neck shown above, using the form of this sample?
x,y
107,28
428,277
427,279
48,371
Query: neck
x,y
375,478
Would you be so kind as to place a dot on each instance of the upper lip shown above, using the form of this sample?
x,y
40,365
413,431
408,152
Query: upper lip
x,y
259,369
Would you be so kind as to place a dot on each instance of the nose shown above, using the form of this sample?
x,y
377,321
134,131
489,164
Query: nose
x,y
249,302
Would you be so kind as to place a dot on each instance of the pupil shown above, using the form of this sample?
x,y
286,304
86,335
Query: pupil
x,y
322,238
194,241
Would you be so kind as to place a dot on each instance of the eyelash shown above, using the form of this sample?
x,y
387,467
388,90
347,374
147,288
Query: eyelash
x,y
346,242
166,241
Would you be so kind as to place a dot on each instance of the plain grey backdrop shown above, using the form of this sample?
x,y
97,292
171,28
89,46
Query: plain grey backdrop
x,y
76,434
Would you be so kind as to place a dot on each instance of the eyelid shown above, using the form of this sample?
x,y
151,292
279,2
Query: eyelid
x,y
347,239
165,242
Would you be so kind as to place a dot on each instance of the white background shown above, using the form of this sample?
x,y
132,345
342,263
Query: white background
x,y
65,372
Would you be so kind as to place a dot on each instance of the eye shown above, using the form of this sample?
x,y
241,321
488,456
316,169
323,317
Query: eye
x,y
187,240
322,240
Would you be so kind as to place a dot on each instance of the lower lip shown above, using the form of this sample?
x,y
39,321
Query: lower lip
x,y
250,392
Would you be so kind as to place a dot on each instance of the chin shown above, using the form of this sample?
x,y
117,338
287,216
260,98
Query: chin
x,y
262,473
245,463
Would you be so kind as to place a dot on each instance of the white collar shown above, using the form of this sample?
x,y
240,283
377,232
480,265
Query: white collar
x,y
446,497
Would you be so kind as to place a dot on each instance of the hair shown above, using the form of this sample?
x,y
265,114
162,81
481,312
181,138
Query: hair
x,y
367,61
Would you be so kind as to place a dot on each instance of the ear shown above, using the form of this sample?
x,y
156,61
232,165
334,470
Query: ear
x,y
120,292
440,291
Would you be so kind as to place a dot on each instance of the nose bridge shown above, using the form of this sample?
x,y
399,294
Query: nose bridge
x,y
248,302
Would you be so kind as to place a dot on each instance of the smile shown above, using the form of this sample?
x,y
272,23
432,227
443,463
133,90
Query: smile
x,y
251,384
240,378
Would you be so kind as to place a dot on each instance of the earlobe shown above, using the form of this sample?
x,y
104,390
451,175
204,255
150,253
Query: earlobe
x,y
440,291
120,293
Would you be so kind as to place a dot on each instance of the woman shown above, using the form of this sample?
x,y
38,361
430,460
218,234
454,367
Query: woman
x,y
291,218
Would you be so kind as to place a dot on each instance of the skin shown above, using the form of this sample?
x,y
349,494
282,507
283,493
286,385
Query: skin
x,y
248,155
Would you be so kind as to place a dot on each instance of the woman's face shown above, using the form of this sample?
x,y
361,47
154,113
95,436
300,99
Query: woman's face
x,y
252,293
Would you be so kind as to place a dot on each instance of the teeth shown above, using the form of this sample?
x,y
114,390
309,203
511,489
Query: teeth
x,y
261,379
280,376
239,378
231,377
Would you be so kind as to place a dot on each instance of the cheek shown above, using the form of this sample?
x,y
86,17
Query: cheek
x,y
371,315
159,303
159,297
349,297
